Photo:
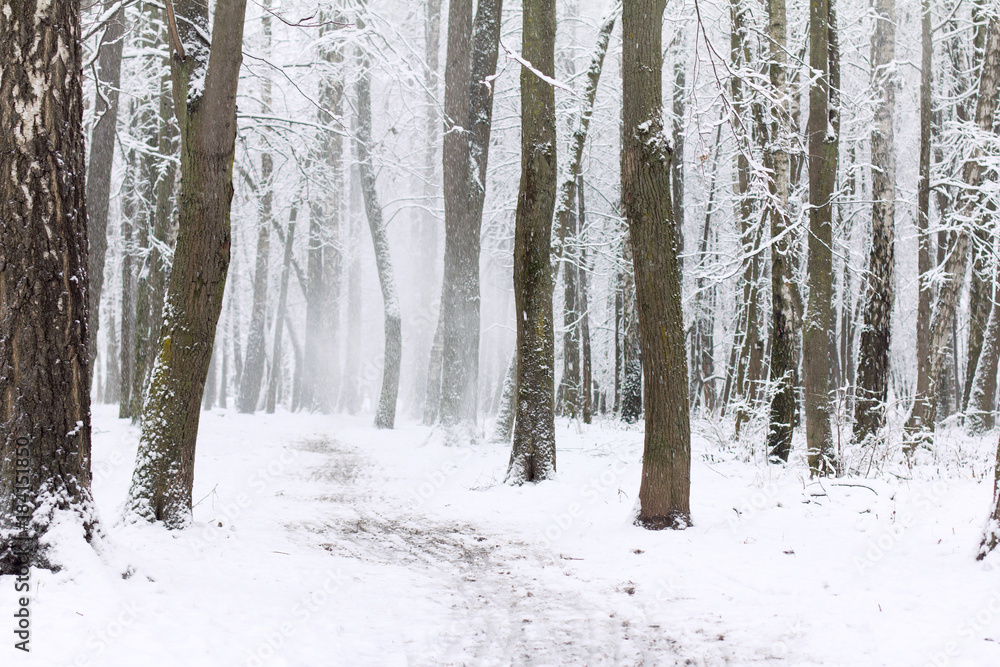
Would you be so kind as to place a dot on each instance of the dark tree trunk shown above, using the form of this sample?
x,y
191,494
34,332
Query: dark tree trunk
x,y
645,166
102,153
533,456
128,308
873,363
385,415
164,473
921,398
45,447
823,129
587,374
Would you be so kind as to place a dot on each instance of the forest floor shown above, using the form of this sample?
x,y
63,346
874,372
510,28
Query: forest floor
x,y
320,542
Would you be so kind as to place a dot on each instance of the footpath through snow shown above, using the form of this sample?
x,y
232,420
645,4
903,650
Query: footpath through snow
x,y
319,541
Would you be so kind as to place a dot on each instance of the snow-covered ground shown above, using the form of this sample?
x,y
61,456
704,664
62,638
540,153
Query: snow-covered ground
x,y
319,541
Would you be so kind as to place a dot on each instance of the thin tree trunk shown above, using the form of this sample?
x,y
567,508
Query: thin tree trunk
x,y
588,399
823,130
253,367
385,416
45,447
980,305
102,154
279,318
164,473
980,414
922,395
873,363
505,414
128,306
645,163
922,417
350,399
533,456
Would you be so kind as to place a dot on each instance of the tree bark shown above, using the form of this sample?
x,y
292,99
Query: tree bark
x,y
873,362
784,361
645,166
45,441
164,473
385,416
980,413
533,456
991,537
822,130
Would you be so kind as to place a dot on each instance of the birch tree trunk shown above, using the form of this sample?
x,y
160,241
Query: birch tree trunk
x,y
873,362
274,378
784,362
982,395
164,472
533,456
666,463
45,444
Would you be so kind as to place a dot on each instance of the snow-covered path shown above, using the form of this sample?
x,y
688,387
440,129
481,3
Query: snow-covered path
x,y
320,541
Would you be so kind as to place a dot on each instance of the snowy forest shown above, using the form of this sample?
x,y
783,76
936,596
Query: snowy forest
x,y
463,332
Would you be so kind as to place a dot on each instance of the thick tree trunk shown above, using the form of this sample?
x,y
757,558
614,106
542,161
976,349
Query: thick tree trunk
x,y
164,473
923,414
385,415
784,362
253,368
45,446
873,363
102,153
533,456
822,130
666,463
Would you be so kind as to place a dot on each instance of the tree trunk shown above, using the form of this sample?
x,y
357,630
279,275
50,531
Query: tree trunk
x,y
823,129
588,399
505,413
923,414
385,416
631,349
982,396
102,154
164,473
666,463
350,399
922,395
980,304
533,456
873,363
784,361
45,449
253,367
991,538
128,307
275,376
